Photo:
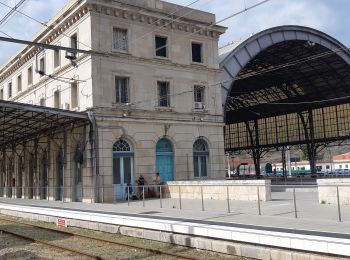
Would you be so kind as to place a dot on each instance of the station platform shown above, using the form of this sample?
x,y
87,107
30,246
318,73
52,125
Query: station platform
x,y
302,235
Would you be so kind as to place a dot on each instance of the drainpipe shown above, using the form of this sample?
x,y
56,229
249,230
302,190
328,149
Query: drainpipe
x,y
95,153
95,142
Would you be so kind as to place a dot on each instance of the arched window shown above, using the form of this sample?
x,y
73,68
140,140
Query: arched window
x,y
164,146
122,146
200,158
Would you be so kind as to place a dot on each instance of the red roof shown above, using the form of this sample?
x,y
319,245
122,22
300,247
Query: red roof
x,y
341,157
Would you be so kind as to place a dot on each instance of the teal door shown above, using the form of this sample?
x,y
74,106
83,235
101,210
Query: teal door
x,y
165,160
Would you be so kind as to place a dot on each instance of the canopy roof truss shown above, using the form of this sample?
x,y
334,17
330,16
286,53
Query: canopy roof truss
x,y
20,123
287,85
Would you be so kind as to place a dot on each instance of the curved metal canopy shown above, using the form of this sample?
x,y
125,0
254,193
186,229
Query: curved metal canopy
x,y
300,66
289,85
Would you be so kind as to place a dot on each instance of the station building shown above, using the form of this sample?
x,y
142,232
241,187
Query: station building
x,y
80,127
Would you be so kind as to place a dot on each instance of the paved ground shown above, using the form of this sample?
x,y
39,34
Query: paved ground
x,y
278,213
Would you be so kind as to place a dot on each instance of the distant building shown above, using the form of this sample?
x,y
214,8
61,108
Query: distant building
x,y
341,161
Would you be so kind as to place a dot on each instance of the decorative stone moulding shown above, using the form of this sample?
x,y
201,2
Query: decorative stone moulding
x,y
55,33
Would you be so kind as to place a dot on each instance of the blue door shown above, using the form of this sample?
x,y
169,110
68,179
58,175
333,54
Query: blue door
x,y
165,160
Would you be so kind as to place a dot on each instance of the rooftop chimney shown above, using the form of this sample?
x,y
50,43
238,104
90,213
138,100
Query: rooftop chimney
x,y
155,4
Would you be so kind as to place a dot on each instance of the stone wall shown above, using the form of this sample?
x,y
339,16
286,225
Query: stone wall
x,y
327,191
246,190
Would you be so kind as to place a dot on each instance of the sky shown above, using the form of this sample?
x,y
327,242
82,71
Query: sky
x,y
329,16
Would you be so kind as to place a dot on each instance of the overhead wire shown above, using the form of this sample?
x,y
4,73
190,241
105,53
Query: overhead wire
x,y
252,74
170,22
37,21
218,22
243,76
6,18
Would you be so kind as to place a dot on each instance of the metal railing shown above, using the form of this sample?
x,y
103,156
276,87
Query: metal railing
x,y
294,201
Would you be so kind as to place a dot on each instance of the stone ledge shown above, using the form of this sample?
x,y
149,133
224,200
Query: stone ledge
x,y
221,246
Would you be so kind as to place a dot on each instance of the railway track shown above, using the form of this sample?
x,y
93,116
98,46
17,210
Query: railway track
x,y
156,252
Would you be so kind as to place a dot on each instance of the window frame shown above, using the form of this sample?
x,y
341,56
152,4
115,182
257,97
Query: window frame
x,y
169,101
198,157
42,58
30,75
118,27
58,52
75,106
203,101
119,101
9,89
167,49
74,34
202,52
58,100
42,103
19,83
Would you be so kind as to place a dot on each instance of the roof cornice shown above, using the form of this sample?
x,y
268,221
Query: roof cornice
x,y
54,29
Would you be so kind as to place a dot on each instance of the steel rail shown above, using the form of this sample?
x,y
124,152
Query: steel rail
x,y
51,245
150,250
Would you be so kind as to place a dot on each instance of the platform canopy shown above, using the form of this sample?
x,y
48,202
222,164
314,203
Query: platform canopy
x,y
288,85
284,71
23,122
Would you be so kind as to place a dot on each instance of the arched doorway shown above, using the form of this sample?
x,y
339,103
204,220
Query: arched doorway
x,y
19,182
31,177
165,160
200,158
78,174
10,177
44,176
59,175
123,160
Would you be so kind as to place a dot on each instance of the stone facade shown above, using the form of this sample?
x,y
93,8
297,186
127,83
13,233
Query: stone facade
x,y
244,190
126,32
328,194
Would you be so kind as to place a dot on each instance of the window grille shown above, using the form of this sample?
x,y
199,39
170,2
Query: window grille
x,y
199,94
120,41
122,146
163,94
